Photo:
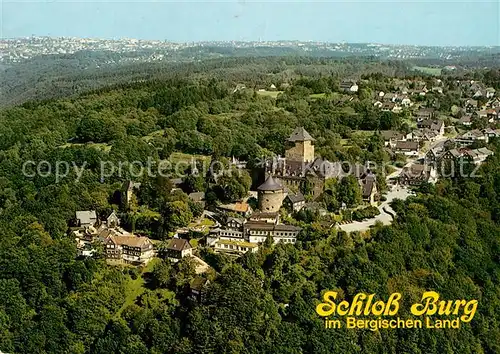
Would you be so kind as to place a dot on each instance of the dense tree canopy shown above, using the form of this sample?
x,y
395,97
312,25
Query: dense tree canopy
x,y
446,239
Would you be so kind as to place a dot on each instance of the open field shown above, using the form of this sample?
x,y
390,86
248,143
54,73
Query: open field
x,y
272,94
363,133
98,146
179,156
427,70
135,287
317,95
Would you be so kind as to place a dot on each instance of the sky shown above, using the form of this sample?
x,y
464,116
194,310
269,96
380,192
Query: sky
x,y
417,22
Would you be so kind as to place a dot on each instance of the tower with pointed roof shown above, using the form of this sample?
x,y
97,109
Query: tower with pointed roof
x,y
270,195
303,149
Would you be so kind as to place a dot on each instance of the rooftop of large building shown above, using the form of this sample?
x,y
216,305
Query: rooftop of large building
x,y
300,134
270,185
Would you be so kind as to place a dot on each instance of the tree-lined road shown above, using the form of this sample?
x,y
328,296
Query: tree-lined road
x,y
385,218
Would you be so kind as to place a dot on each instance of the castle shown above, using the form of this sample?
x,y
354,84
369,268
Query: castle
x,y
300,169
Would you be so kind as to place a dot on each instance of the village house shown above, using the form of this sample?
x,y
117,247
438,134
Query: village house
x,y
391,107
258,232
293,202
471,136
492,114
239,208
491,133
434,125
391,137
408,148
425,114
178,248
240,237
451,155
226,234
476,156
466,120
235,247
90,229
470,105
390,97
198,197
419,135
369,189
235,223
415,175
198,287
406,102
349,86
490,92
86,218
478,93
482,114
432,157
493,103
479,155
112,220
129,249
265,216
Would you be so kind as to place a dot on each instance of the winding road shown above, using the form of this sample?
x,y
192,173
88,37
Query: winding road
x,y
385,217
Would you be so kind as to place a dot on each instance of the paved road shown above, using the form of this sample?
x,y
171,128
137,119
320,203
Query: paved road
x,y
396,193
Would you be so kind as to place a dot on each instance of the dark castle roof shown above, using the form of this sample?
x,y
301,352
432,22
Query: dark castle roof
x,y
300,134
270,185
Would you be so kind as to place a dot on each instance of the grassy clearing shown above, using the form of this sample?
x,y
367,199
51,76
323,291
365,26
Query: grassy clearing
x,y
207,222
153,134
344,142
179,156
427,70
135,287
98,146
193,242
272,94
363,133
317,95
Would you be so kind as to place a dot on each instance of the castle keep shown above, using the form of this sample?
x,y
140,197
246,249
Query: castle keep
x,y
300,169
303,146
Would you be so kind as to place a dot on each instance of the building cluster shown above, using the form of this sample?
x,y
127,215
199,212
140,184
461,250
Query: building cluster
x,y
284,179
429,129
239,235
119,245
442,161
301,169
481,104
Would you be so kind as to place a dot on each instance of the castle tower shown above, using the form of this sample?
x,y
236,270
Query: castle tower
x,y
270,195
303,150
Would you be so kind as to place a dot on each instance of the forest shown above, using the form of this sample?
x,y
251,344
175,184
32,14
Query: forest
x,y
445,239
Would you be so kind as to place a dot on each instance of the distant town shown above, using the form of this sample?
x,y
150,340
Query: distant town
x,y
20,49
